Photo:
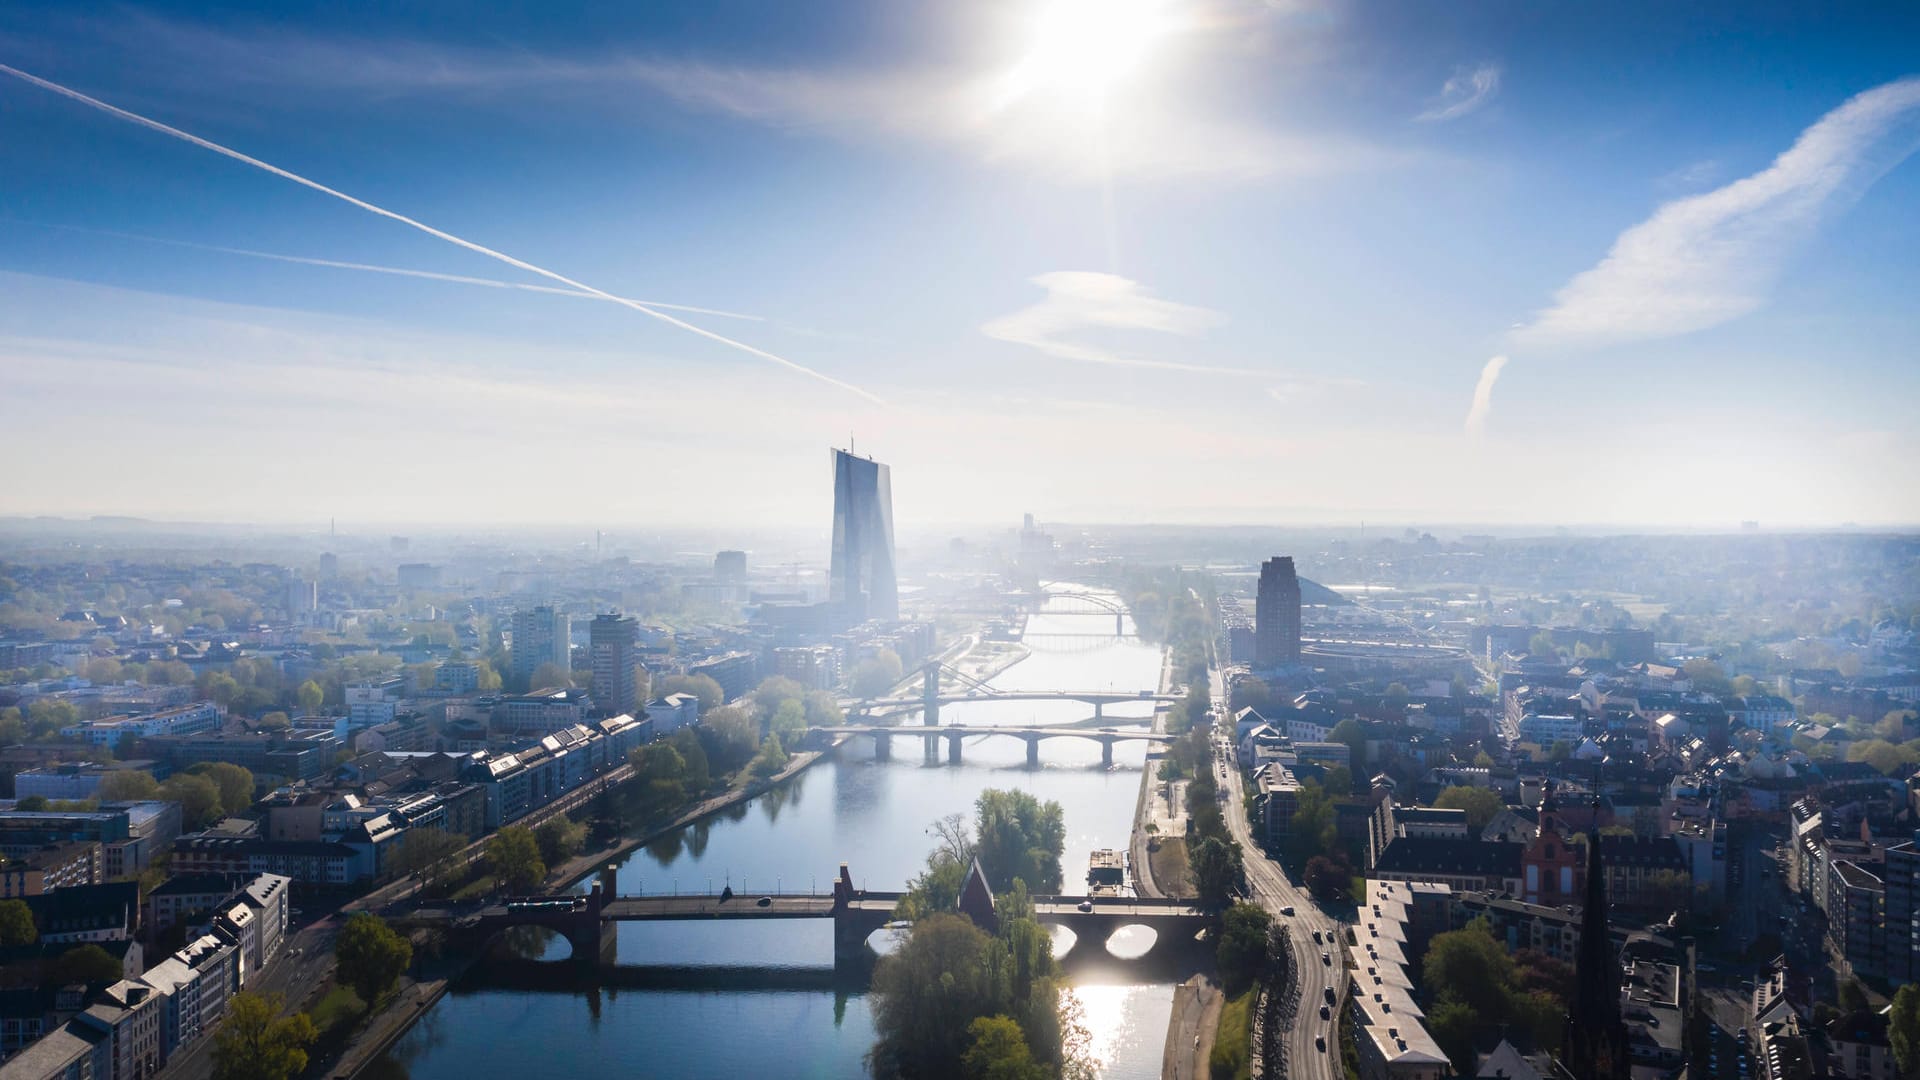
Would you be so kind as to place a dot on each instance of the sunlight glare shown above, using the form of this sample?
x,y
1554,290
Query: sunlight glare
x,y
1086,47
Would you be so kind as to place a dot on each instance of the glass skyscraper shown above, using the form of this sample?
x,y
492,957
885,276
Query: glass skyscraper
x,y
861,583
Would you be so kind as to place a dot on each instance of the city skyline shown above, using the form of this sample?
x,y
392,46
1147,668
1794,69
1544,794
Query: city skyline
x,y
1403,247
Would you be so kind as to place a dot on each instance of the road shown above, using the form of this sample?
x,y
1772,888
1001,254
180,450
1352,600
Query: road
x,y
1272,890
306,961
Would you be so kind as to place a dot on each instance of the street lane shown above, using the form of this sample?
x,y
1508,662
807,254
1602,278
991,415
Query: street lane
x,y
1272,890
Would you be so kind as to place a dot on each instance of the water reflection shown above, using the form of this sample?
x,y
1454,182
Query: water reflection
x,y
872,815
1132,942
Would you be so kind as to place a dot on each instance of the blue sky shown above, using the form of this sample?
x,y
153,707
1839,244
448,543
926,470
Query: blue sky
x,y
1141,260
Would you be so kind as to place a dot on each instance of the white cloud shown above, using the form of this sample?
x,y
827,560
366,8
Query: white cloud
x,y
1483,396
1710,258
1158,127
1084,300
1463,93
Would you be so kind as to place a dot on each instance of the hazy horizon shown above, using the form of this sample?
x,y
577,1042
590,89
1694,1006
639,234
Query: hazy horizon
x,y
1150,261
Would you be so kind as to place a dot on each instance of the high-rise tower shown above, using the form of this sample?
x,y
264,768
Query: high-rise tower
x,y
1595,1047
1276,615
861,583
540,636
610,640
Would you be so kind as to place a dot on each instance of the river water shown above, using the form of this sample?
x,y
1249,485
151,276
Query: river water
x,y
872,815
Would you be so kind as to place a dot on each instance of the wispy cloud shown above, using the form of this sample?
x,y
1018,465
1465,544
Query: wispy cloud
x,y
1483,396
478,249
1152,130
1704,260
1464,92
1078,301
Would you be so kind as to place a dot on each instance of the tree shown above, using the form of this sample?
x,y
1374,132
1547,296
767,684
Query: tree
x,y
1312,830
88,964
221,687
32,804
875,675
700,686
16,924
370,956
559,839
274,721
774,691
513,855
1243,945
771,758
428,854
698,775
997,1050
1903,1029
1853,996
1328,878
1541,644
1454,1025
789,721
199,799
1350,732
309,697
1018,836
254,1042
128,785
1561,750
1469,966
235,783
1216,870
1707,676
549,675
1481,804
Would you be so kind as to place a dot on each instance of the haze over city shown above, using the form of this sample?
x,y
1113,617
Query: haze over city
x,y
1314,262
996,540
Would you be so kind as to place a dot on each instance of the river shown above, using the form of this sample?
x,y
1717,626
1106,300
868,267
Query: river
x,y
871,814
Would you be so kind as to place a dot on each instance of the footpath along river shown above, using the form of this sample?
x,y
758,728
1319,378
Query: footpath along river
x,y
850,808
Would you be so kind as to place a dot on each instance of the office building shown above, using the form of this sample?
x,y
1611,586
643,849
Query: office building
x,y
611,643
1276,615
540,636
730,567
861,583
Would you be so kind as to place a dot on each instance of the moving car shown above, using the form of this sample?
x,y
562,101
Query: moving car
x,y
1086,905
1288,910
1319,1042
1329,995
1327,959
765,901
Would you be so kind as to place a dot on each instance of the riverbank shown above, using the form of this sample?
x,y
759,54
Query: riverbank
x,y
413,999
1146,808
575,869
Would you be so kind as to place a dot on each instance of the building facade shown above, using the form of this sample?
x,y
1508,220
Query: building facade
x,y
861,584
1276,615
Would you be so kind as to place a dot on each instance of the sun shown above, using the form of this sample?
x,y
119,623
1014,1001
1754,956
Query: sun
x,y
1086,48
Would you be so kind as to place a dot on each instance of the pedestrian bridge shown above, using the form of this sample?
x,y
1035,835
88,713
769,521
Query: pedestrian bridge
x,y
856,914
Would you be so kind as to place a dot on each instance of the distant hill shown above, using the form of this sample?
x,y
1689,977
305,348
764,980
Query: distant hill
x,y
1312,592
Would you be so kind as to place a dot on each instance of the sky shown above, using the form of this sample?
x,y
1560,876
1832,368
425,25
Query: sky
x,y
1172,261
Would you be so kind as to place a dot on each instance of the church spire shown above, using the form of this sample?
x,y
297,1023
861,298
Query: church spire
x,y
1596,1036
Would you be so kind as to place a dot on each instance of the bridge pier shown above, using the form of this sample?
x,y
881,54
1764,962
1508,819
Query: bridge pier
x,y
1033,751
1119,625
882,746
953,749
1099,710
933,748
1106,752
930,694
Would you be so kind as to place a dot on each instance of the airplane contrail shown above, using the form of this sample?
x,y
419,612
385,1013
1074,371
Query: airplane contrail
x,y
480,249
430,275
